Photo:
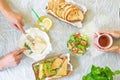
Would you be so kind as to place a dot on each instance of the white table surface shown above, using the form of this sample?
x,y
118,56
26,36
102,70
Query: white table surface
x,y
101,15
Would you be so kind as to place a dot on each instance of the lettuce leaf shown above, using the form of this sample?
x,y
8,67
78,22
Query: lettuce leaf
x,y
98,73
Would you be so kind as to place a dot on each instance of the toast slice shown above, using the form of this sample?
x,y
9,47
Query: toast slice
x,y
53,5
40,72
66,10
57,63
75,15
60,8
47,70
64,69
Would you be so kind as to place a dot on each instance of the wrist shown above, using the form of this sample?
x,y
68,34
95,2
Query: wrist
x,y
6,13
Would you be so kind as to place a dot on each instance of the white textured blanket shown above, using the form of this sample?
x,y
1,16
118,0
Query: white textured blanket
x,y
101,15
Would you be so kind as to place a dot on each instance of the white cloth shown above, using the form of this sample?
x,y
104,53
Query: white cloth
x,y
103,13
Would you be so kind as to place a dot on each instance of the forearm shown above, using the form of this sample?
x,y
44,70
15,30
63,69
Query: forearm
x,y
118,50
4,8
1,65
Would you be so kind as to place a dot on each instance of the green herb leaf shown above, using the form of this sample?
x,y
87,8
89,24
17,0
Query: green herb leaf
x,y
39,79
48,66
26,46
84,37
98,73
50,60
72,38
81,47
37,67
116,72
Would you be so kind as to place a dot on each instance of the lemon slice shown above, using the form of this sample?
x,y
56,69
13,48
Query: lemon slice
x,y
46,23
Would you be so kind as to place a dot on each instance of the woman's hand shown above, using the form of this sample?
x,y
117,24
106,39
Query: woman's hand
x,y
113,49
12,59
114,34
15,20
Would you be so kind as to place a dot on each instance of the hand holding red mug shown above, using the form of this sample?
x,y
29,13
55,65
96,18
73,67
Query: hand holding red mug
x,y
109,34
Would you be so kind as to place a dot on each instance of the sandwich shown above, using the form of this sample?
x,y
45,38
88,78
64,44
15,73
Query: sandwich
x,y
53,67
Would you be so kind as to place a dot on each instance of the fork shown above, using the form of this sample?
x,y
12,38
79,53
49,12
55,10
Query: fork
x,y
29,38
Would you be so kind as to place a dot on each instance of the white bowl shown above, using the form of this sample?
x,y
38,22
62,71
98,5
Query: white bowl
x,y
36,32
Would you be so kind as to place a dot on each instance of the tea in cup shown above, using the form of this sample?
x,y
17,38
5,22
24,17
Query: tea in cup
x,y
103,41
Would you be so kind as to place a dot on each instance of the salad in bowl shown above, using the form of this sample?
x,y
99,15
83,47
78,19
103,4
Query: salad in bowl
x,y
78,43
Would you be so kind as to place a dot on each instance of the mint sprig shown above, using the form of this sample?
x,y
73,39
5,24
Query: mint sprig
x,y
26,46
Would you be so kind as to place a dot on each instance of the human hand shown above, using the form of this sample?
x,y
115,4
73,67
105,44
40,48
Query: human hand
x,y
12,59
15,20
113,49
114,34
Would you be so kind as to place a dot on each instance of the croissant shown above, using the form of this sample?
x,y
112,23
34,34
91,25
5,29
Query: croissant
x,y
65,10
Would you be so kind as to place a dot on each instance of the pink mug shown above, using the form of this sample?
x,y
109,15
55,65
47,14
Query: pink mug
x,y
103,41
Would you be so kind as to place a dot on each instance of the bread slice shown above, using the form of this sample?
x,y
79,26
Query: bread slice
x,y
53,4
57,63
40,72
68,11
64,69
75,15
67,6
47,69
65,10
60,9
60,1
81,15
50,5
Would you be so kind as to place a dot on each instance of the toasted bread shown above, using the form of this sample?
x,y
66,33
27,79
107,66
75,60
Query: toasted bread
x,y
40,72
60,9
71,9
47,70
75,15
63,70
66,11
57,63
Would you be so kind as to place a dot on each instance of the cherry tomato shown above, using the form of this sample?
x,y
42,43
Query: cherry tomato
x,y
75,51
78,35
